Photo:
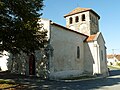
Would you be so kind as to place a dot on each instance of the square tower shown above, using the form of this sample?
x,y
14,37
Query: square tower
x,y
83,20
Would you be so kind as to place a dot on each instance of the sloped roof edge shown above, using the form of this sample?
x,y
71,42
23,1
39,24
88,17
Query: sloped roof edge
x,y
68,29
80,10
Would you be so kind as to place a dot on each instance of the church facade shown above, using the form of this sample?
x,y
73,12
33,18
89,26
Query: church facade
x,y
72,51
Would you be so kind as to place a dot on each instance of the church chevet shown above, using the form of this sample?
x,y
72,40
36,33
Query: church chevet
x,y
74,50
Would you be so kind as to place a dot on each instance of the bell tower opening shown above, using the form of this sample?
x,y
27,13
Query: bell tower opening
x,y
83,17
76,19
70,20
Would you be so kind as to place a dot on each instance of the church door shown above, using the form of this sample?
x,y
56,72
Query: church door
x,y
32,65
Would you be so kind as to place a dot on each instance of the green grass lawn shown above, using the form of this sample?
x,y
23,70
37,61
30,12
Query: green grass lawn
x,y
7,84
114,67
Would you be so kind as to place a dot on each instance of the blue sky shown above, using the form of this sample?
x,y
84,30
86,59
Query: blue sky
x,y
109,11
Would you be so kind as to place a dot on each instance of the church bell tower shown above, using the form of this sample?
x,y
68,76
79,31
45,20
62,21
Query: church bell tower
x,y
83,20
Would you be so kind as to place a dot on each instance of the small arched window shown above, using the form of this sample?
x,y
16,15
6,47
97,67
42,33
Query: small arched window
x,y
76,19
78,52
101,54
70,20
83,17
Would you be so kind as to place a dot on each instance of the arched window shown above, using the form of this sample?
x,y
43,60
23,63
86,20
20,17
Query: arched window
x,y
76,19
101,54
78,52
70,20
83,17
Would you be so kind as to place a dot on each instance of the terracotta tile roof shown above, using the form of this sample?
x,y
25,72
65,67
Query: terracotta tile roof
x,y
91,38
111,56
79,10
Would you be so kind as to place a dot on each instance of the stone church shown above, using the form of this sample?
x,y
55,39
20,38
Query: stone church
x,y
72,51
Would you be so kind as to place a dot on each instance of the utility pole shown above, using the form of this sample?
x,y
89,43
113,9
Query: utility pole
x,y
113,51
113,54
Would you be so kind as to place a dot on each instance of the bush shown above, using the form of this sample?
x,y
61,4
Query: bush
x,y
118,64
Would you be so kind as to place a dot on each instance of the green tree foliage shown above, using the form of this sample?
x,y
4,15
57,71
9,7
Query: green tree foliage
x,y
19,28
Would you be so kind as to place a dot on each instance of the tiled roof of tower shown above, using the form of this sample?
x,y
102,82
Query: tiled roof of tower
x,y
79,10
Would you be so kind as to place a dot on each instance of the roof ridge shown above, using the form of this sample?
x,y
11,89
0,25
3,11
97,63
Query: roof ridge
x,y
77,10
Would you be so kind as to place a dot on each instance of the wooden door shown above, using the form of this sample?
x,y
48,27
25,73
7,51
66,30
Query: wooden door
x,y
32,65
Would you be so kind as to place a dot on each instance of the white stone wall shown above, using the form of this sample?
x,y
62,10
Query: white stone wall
x,y
103,59
65,63
98,54
20,63
112,62
81,26
88,58
94,23
45,26
4,60
88,27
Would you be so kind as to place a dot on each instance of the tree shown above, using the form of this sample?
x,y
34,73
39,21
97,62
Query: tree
x,y
19,28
